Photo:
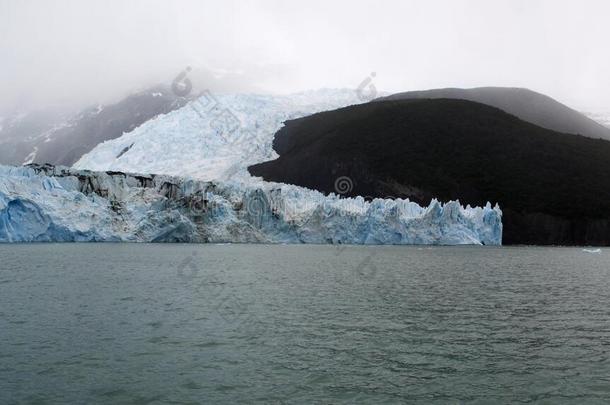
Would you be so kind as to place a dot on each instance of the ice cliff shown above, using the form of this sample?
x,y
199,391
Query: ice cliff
x,y
47,203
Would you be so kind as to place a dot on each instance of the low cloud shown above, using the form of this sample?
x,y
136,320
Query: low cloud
x,y
82,52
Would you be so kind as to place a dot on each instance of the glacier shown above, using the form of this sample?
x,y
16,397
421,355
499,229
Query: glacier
x,y
61,204
202,191
214,137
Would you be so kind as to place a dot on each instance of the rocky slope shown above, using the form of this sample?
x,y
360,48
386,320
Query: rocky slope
x,y
61,137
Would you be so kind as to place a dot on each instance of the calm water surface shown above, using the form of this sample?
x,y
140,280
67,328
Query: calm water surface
x,y
152,324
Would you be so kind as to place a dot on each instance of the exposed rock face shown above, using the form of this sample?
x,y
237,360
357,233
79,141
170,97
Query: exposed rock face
x,y
48,203
553,188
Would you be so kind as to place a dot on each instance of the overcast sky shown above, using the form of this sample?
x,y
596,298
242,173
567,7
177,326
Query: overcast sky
x,y
55,51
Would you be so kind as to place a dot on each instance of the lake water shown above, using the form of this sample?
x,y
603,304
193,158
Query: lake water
x,y
127,323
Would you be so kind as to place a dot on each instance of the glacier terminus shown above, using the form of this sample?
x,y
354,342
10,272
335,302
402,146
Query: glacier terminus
x,y
59,204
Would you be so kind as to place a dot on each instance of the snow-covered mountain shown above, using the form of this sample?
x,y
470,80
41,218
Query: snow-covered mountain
x,y
47,203
215,137
22,132
58,136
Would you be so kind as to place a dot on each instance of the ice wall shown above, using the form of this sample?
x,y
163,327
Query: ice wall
x,y
47,203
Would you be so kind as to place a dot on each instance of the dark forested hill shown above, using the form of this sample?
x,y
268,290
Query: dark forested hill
x,y
526,104
553,188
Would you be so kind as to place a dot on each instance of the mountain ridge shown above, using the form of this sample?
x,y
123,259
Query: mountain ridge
x,y
524,103
63,137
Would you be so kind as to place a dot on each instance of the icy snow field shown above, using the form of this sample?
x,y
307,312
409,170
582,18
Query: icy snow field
x,y
213,138
209,144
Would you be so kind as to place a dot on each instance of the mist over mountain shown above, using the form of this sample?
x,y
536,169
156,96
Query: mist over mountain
x,y
526,104
59,137
552,187
600,117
